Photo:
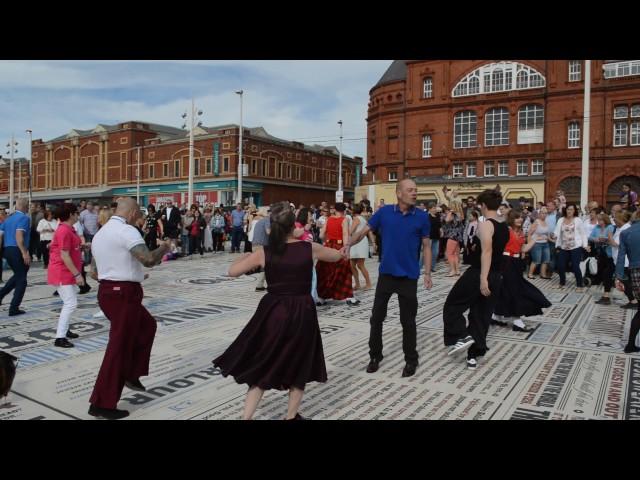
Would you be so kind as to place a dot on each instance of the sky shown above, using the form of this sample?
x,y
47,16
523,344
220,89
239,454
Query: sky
x,y
295,100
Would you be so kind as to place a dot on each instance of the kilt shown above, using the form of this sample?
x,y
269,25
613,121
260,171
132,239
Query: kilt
x,y
334,279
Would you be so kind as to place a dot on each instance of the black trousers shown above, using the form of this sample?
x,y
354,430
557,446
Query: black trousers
x,y
628,289
44,248
151,239
606,268
465,295
407,289
217,241
34,244
196,242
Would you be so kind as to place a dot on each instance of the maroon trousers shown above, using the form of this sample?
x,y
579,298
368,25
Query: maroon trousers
x,y
130,340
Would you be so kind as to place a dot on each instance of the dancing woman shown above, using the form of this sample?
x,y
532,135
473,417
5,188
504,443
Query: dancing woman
x,y
280,348
518,297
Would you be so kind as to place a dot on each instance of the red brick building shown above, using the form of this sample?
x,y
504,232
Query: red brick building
x,y
101,163
479,122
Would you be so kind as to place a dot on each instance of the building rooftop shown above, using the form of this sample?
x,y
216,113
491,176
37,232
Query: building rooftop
x,y
396,71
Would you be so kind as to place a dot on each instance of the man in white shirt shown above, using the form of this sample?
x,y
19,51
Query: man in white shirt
x,y
119,252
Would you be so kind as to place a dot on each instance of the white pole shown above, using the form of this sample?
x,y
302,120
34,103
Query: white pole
x,y
11,174
138,179
584,186
30,166
190,194
19,178
340,160
239,194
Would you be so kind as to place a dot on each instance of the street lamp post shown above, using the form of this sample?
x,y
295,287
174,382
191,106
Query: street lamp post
x,y
11,151
240,164
30,164
191,147
138,178
586,123
340,194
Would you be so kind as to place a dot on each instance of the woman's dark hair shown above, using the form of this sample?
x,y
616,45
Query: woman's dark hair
x,y
151,208
65,211
475,215
512,216
48,213
490,199
303,216
575,210
340,207
357,209
193,207
282,223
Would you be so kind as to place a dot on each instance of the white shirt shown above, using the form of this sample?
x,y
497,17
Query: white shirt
x,y
79,229
616,238
46,224
110,248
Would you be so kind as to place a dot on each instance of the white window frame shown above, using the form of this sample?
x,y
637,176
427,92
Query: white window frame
x,y
393,176
537,167
620,112
427,87
461,119
486,170
622,69
634,133
496,127
499,77
426,146
573,135
620,134
635,110
530,124
471,165
575,70
458,170
520,163
503,163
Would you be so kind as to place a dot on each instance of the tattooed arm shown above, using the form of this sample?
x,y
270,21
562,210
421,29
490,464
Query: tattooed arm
x,y
147,257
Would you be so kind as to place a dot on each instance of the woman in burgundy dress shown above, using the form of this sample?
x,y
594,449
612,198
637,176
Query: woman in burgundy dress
x,y
280,348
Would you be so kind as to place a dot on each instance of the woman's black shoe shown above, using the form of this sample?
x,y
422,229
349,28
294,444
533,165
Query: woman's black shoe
x,y
108,413
526,329
70,334
298,417
63,343
631,349
499,323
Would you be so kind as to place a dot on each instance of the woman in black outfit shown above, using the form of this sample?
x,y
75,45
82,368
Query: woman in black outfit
x,y
153,228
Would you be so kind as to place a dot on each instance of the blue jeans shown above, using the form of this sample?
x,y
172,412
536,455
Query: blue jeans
x,y
87,254
236,238
184,239
540,253
575,256
435,247
19,279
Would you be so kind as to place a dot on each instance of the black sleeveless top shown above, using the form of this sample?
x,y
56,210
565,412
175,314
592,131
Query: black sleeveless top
x,y
500,239
152,222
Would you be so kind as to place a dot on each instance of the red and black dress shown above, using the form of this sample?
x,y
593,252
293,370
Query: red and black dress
x,y
334,279
518,297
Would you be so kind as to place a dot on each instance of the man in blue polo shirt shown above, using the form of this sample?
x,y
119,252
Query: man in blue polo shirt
x,y
404,229
16,230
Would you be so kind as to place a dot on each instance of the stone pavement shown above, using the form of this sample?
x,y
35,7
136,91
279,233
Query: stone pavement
x,y
570,367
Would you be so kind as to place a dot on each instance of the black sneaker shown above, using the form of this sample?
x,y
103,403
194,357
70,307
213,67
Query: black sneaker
x,y
526,329
631,349
498,323
461,345
63,343
70,334
16,312
135,385
108,413
629,305
472,363
604,301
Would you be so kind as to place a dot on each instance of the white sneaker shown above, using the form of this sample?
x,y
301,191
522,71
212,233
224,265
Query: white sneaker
x,y
461,345
99,314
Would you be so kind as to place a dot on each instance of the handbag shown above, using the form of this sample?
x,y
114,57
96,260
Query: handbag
x,y
8,364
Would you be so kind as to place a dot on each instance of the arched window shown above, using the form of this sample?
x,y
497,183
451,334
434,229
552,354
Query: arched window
x,y
465,129
496,127
531,124
498,77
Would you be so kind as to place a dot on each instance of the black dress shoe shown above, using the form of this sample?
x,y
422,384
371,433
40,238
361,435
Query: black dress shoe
x,y
298,417
631,349
373,366
70,334
16,312
135,385
626,305
526,329
409,370
260,289
499,323
108,413
604,301
63,343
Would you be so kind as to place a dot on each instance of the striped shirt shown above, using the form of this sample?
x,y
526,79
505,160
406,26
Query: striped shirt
x,y
89,221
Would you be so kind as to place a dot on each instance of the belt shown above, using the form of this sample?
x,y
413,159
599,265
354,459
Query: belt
x,y
515,255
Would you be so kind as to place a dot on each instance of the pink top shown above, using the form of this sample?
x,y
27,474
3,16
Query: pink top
x,y
307,236
67,239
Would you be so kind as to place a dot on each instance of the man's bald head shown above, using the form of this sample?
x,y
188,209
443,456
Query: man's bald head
x,y
402,183
22,204
128,209
407,192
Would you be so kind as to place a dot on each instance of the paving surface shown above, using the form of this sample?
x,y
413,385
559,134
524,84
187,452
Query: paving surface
x,y
570,367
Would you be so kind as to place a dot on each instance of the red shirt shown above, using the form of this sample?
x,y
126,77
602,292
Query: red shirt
x,y
65,238
515,243
334,228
